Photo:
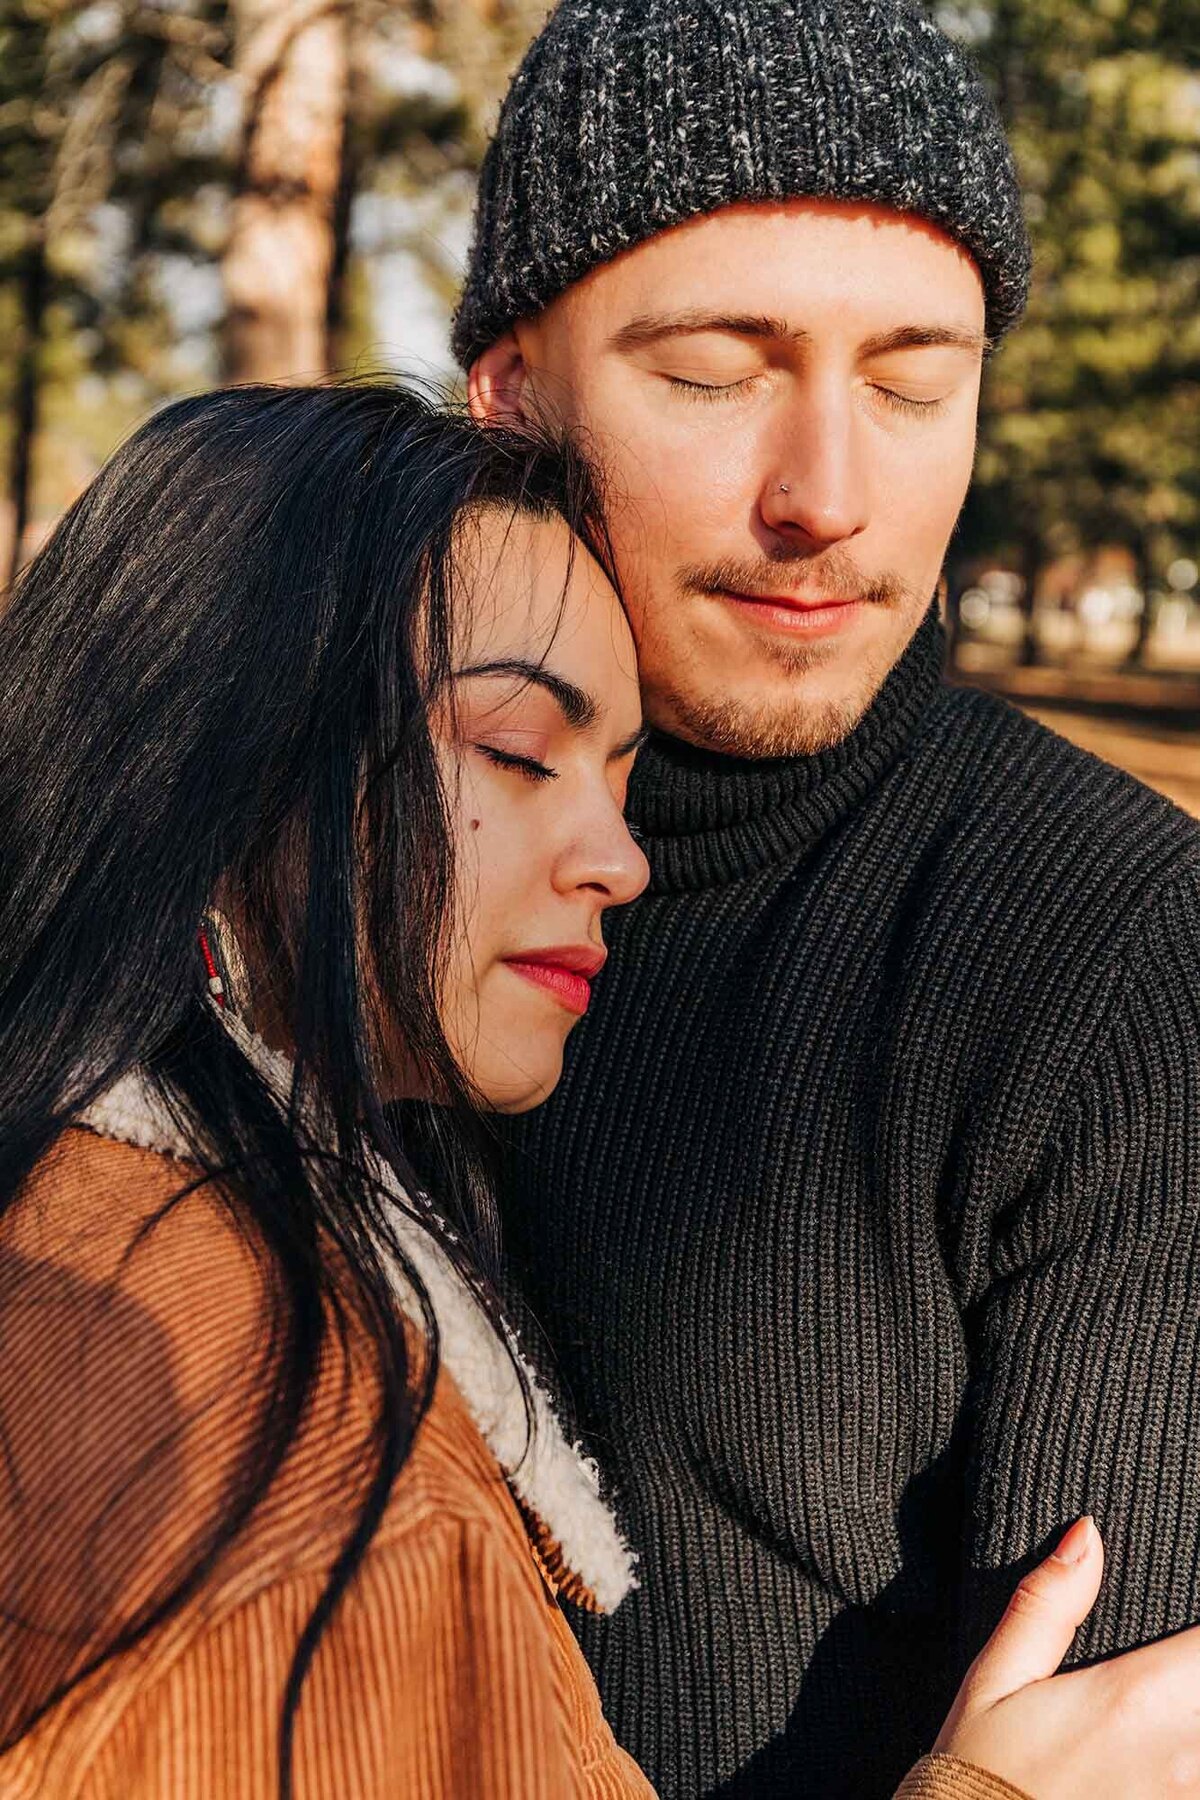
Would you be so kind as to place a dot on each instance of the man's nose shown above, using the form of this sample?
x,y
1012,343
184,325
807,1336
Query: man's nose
x,y
817,487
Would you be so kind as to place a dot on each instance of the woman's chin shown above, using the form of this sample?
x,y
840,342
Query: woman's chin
x,y
519,1086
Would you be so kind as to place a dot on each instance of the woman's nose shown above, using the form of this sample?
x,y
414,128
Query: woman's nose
x,y
605,859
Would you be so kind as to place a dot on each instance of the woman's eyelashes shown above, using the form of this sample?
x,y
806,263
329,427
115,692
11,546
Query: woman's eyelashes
x,y
527,766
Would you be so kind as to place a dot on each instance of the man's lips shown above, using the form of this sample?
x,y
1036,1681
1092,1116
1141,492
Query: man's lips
x,y
801,602
810,615
565,972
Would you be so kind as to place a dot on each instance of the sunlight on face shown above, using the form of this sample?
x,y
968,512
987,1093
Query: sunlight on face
x,y
785,397
536,745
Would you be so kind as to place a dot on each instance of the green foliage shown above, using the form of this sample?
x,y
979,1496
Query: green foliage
x,y
1090,431
104,151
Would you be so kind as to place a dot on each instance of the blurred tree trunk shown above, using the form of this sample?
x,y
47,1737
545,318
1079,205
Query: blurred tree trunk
x,y
292,57
1147,618
33,292
482,41
1032,562
337,287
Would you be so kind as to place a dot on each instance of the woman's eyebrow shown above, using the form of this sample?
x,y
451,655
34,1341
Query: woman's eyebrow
x,y
633,742
577,707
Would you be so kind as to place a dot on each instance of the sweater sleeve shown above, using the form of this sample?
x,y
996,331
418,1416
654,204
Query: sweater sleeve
x,y
435,1680
946,1778
1085,1347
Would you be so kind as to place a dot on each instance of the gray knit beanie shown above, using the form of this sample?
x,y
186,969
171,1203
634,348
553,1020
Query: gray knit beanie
x,y
628,116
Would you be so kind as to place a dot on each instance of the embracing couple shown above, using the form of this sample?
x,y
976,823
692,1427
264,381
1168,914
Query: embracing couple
x,y
855,1235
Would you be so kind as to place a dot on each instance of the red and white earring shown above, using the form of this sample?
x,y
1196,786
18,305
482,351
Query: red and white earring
x,y
224,966
206,938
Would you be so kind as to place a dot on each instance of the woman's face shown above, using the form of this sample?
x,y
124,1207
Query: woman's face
x,y
537,743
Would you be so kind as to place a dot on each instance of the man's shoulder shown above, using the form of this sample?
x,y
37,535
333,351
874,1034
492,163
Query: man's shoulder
x,y
1053,809
1055,863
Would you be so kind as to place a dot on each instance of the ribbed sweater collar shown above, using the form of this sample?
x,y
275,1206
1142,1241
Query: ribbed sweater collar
x,y
707,820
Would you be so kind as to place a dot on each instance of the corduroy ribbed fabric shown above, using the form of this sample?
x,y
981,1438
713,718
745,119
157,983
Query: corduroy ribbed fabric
x,y
865,1229
949,1778
134,1369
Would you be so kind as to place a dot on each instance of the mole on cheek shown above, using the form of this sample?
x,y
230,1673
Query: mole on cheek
x,y
474,824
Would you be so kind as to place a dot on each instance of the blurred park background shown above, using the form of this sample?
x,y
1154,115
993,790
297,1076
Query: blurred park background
x,y
202,191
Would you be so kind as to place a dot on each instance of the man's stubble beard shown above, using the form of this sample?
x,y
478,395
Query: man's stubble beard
x,y
765,731
741,727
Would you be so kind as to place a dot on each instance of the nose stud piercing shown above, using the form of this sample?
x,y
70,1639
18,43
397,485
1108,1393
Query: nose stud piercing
x,y
784,488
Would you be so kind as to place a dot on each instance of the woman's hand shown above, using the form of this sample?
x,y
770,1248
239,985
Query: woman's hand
x,y
1128,1729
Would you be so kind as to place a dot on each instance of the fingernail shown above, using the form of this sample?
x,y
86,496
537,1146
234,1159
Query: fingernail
x,y
1074,1545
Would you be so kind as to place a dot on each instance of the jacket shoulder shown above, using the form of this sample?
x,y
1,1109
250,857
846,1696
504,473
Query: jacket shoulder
x,y
163,1282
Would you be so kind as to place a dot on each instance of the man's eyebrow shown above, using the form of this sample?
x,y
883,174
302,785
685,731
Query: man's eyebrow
x,y
577,707
927,337
647,328
650,327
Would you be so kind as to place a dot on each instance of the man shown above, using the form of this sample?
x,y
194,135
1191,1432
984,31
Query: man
x,y
864,1224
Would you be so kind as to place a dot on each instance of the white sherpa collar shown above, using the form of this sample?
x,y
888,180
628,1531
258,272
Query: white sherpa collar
x,y
552,1480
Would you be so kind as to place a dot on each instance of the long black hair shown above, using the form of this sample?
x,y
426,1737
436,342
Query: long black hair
x,y
216,679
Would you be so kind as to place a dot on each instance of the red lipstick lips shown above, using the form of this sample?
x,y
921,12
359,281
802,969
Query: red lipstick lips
x,y
564,972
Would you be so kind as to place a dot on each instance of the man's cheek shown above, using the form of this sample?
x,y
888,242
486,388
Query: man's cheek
x,y
661,520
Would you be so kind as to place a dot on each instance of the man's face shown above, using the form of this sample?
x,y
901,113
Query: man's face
x,y
784,397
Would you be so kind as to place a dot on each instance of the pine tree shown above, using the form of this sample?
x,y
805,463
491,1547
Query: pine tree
x,y
98,110
1090,431
292,65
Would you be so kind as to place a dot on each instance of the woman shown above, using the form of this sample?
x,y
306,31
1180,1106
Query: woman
x,y
319,710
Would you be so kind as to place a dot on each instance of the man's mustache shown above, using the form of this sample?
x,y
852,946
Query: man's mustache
x,y
830,575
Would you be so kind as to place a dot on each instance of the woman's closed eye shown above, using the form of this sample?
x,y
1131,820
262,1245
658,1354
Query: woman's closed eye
x,y
528,766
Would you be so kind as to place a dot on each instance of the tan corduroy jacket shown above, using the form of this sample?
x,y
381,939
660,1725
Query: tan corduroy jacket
x,y
132,1375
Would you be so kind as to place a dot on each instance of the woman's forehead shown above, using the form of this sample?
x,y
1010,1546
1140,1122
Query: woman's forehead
x,y
527,582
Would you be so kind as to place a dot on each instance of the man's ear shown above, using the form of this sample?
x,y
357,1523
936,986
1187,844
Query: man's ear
x,y
498,385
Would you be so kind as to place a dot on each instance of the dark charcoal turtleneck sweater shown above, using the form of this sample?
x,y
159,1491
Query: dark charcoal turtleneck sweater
x,y
865,1229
